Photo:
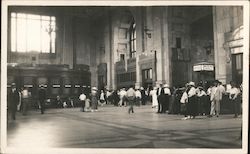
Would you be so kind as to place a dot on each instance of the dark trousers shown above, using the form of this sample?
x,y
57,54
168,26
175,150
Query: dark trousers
x,y
42,105
236,106
165,104
131,104
12,112
83,105
159,107
161,103
25,106
192,104
207,105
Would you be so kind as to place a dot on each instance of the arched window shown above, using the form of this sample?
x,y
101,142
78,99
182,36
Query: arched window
x,y
132,39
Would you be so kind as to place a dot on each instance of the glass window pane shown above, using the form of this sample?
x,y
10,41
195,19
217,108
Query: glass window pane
x,y
45,18
53,18
21,35
45,37
13,34
33,35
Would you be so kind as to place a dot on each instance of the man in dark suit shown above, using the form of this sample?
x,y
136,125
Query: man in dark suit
x,y
143,96
13,101
42,97
160,97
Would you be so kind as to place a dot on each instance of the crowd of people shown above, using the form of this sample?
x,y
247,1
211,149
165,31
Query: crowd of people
x,y
191,100
196,100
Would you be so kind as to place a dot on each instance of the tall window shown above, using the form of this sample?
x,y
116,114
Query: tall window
x,y
32,33
132,35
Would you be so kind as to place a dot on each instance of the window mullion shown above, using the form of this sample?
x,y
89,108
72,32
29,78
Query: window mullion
x,y
15,32
40,34
26,33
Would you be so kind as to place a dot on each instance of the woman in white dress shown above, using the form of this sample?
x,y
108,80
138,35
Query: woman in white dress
x,y
153,93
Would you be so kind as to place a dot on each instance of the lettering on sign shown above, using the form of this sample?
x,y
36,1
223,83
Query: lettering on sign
x,y
197,68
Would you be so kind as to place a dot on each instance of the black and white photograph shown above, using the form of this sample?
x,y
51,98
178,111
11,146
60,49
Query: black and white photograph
x,y
110,77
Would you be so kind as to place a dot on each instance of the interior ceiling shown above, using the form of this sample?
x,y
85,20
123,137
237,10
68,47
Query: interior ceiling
x,y
95,12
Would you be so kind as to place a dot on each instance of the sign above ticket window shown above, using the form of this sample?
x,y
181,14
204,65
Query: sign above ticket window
x,y
203,67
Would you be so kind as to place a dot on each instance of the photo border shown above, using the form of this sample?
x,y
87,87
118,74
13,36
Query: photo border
x,y
3,110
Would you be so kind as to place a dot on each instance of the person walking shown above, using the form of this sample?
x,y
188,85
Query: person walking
x,y
167,94
131,98
13,100
234,99
102,98
143,96
153,94
42,97
25,100
94,99
82,99
192,103
201,98
216,96
138,97
160,98
208,102
122,95
184,105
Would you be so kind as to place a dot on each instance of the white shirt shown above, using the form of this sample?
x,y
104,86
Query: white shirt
x,y
82,97
233,91
167,91
222,89
209,91
228,88
138,93
102,96
201,93
122,93
25,93
184,97
192,92
108,93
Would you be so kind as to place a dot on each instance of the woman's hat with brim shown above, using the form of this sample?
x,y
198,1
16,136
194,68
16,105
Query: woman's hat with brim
x,y
94,88
191,83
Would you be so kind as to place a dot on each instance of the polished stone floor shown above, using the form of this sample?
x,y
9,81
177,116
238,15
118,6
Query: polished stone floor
x,y
113,127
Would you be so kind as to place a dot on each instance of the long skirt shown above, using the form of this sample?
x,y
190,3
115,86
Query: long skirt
x,y
192,106
94,103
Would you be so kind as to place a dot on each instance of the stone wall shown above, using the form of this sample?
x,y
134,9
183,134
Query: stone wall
x,y
226,19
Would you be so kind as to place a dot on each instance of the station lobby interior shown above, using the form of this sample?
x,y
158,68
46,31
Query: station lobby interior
x,y
111,126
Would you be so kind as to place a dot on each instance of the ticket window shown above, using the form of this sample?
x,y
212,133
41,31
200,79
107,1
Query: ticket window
x,y
77,86
67,86
237,67
41,81
55,90
28,82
